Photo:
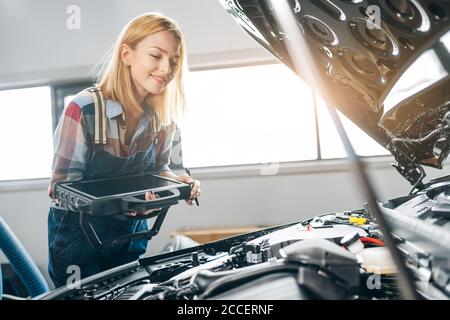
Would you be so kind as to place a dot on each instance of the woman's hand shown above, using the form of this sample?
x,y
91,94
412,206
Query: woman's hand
x,y
150,195
195,190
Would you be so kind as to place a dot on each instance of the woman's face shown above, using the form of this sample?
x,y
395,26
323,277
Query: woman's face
x,y
153,63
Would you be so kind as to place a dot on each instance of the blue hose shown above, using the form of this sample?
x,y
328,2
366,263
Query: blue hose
x,y
1,283
21,261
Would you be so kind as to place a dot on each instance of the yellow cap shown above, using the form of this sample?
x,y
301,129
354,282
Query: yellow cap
x,y
357,220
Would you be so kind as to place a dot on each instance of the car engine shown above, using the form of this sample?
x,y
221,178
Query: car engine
x,y
339,255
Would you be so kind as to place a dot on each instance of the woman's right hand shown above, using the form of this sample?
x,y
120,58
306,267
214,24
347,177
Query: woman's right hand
x,y
195,187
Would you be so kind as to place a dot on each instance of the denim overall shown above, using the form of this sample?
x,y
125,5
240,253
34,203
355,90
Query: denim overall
x,y
67,243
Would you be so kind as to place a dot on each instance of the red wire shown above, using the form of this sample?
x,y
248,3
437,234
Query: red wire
x,y
372,240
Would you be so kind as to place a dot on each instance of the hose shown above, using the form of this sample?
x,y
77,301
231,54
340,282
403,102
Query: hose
x,y
1,283
21,261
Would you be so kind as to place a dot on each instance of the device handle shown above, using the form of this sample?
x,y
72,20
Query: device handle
x,y
132,203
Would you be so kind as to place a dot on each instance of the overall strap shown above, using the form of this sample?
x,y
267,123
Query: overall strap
x,y
99,116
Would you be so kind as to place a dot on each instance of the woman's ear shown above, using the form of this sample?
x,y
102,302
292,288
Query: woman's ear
x,y
125,54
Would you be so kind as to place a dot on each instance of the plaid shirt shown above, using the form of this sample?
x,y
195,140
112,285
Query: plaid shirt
x,y
74,138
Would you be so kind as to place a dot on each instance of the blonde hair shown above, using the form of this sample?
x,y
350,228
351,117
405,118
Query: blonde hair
x,y
115,80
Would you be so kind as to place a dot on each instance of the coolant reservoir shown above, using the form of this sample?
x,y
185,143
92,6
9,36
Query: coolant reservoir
x,y
377,260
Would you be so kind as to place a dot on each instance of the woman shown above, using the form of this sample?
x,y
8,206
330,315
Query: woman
x,y
143,95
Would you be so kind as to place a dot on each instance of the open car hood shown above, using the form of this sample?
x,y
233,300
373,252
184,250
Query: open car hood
x,y
352,54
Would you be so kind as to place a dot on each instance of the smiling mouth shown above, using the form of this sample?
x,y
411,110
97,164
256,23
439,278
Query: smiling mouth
x,y
160,81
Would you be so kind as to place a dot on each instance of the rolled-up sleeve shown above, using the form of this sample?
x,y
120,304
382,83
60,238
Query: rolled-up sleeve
x,y
165,148
70,146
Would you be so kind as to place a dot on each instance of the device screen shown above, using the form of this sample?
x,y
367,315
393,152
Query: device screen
x,y
122,185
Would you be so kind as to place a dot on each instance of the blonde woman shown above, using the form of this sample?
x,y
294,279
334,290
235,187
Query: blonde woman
x,y
142,90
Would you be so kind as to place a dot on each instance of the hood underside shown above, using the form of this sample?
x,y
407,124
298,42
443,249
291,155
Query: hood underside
x,y
352,52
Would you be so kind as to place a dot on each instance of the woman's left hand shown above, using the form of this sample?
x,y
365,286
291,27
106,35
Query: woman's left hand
x,y
195,190
149,195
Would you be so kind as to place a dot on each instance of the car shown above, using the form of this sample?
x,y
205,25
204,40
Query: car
x,y
352,53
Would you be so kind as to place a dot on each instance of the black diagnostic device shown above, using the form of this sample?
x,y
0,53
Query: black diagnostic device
x,y
118,197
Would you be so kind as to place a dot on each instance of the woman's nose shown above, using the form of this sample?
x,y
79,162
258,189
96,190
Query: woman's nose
x,y
164,66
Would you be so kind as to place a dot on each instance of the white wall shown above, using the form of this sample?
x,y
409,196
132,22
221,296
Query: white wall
x,y
37,47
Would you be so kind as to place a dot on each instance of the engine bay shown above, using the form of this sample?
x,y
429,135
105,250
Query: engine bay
x,y
338,255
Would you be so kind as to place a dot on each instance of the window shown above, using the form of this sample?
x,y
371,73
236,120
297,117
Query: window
x,y
260,114
330,143
247,115
26,133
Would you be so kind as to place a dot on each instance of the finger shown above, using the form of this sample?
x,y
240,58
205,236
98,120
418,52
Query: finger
x,y
144,213
154,195
195,188
185,178
196,194
147,212
150,195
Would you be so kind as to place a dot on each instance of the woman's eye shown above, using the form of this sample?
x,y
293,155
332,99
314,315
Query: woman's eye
x,y
155,56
